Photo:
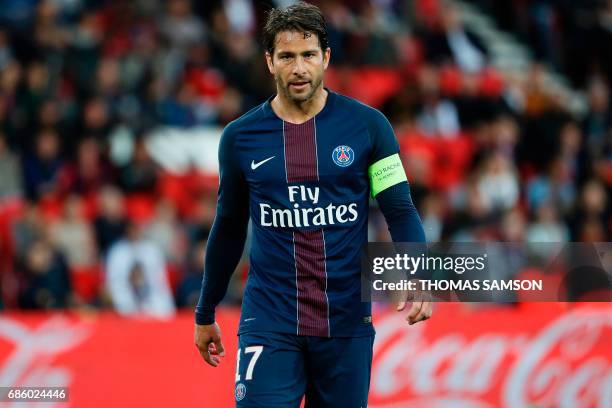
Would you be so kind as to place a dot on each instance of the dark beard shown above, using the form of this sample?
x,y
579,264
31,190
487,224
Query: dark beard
x,y
300,99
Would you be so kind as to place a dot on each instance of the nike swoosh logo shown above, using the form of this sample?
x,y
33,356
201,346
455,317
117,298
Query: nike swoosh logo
x,y
256,165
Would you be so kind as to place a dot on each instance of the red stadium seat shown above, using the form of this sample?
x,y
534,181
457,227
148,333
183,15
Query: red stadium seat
x,y
445,160
419,148
380,83
51,207
184,190
207,82
491,83
171,187
428,11
86,281
451,80
90,206
140,207
454,157
10,209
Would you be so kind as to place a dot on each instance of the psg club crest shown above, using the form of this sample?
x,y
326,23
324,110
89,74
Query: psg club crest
x,y
240,391
343,156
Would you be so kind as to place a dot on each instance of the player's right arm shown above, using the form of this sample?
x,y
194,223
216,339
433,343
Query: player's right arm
x,y
224,248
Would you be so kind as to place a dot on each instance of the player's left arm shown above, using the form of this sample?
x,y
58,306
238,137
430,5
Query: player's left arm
x,y
389,185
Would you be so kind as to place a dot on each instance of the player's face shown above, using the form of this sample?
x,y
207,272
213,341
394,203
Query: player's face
x,y
298,64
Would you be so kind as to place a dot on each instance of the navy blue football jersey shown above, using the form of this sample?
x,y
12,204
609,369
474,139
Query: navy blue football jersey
x,y
308,191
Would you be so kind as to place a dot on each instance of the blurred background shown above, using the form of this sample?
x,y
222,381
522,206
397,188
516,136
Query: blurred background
x,y
110,117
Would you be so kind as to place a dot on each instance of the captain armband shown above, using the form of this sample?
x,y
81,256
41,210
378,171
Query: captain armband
x,y
385,173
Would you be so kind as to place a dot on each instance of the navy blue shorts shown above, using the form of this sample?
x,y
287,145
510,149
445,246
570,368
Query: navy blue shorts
x,y
277,370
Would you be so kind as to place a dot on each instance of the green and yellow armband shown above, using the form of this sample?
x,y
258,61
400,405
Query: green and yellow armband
x,y
385,173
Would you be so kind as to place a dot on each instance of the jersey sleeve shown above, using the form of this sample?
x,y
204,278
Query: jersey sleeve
x,y
400,213
233,194
389,184
228,233
385,167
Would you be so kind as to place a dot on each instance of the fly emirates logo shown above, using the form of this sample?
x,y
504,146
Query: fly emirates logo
x,y
306,217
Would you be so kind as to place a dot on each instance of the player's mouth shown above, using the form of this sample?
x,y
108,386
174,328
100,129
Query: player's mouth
x,y
299,85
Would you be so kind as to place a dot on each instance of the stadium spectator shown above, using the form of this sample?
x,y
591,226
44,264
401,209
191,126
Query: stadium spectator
x,y
471,217
5,50
188,290
135,276
547,226
110,224
513,226
90,171
10,172
183,108
165,232
180,26
42,167
592,213
474,107
45,281
96,121
10,77
74,236
198,227
498,183
85,43
450,41
50,34
36,89
140,175
432,215
505,134
438,116
555,187
597,124
27,229
570,139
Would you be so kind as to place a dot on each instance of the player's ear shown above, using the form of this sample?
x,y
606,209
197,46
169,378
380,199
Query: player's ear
x,y
270,63
326,57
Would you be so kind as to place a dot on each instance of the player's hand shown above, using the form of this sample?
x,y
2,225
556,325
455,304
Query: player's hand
x,y
422,306
208,341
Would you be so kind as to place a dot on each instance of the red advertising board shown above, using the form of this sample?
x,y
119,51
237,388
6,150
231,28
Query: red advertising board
x,y
531,355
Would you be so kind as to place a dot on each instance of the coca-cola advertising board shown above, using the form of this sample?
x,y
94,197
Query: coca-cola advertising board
x,y
525,355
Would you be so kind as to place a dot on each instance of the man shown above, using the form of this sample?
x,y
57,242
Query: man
x,y
299,164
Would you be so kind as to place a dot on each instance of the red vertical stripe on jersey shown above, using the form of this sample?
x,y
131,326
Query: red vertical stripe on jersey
x,y
309,246
311,283
301,152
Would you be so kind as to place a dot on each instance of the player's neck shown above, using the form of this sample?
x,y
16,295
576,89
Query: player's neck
x,y
297,113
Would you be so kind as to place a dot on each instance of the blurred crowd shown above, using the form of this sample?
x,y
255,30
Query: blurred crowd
x,y
571,36
89,219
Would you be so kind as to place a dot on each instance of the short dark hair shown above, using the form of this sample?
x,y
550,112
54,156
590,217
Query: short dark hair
x,y
301,17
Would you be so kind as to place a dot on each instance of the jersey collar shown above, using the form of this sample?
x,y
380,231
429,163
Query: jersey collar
x,y
329,103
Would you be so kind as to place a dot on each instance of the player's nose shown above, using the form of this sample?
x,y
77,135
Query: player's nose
x,y
299,68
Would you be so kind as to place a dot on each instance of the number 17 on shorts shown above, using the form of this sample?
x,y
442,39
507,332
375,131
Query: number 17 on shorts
x,y
254,352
